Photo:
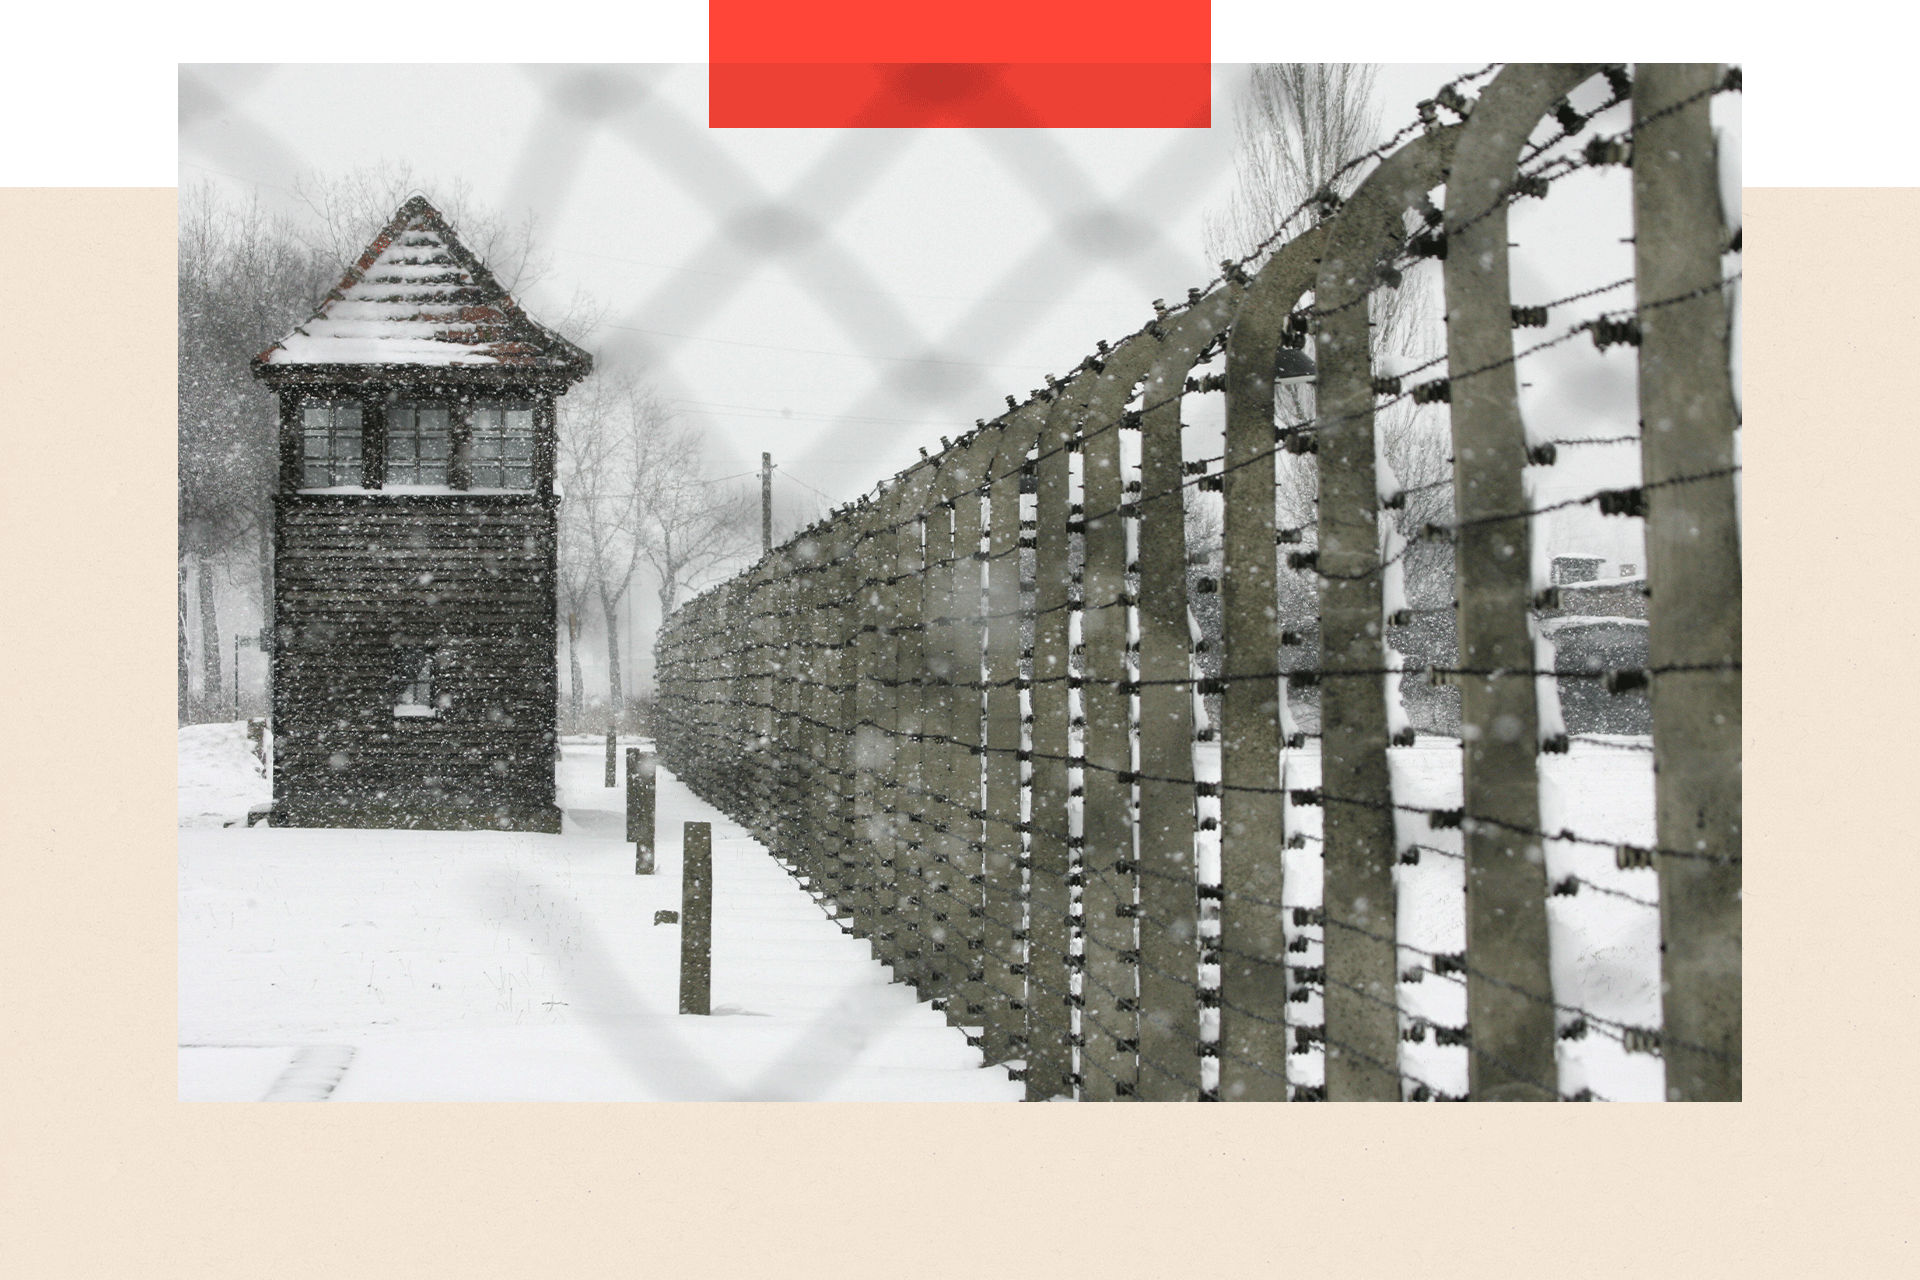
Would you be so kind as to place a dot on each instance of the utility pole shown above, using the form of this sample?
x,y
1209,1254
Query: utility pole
x,y
766,503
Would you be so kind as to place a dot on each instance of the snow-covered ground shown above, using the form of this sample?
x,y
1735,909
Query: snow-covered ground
x,y
1603,938
436,965
489,965
220,777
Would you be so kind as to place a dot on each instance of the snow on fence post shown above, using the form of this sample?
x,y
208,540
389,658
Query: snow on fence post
x,y
729,650
689,756
613,772
790,773
687,750
794,769
1006,895
1509,986
717,666
1253,947
853,698
960,650
1362,1032
763,625
858,751
696,918
818,794
892,528
1110,1032
872,748
666,696
937,819
775,763
702,686
1169,944
1050,995
813,789
906,791
640,808
1693,574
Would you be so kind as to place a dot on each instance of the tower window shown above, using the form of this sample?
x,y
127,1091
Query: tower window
x,y
418,440
503,446
413,683
330,453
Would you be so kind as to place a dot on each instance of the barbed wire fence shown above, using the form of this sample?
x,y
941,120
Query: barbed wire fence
x,y
974,714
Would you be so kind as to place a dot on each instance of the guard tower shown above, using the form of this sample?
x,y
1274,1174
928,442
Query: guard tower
x,y
415,531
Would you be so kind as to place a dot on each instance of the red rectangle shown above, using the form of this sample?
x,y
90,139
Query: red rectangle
x,y
837,31
959,95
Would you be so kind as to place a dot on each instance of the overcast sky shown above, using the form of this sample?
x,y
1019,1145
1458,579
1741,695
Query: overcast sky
x,y
842,299
837,299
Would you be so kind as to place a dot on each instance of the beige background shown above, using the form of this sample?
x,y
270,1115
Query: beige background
x,y
105,1174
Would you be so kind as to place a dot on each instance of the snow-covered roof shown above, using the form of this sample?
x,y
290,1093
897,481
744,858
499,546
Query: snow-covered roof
x,y
417,296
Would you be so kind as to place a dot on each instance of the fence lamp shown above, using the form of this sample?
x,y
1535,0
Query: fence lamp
x,y
1292,367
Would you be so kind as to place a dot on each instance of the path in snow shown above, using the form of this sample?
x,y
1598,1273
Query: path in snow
x,y
438,965
446,965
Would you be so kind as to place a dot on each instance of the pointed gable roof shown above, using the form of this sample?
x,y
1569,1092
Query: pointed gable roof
x,y
419,297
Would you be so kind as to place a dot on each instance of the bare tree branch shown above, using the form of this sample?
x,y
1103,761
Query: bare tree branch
x,y
636,493
1297,126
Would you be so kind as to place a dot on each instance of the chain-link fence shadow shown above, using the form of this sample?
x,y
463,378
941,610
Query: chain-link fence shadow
x,y
883,791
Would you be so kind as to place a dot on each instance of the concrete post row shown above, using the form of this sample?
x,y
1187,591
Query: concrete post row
x,y
859,699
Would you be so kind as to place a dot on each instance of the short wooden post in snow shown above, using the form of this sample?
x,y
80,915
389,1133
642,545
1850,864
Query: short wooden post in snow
x,y
640,807
696,918
612,770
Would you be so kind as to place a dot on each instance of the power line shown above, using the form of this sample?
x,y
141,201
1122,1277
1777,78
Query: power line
x,y
783,415
885,293
813,351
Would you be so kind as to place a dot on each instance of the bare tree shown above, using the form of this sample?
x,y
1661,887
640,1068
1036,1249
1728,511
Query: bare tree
x,y
635,493
244,279
1296,128
1300,127
599,555
690,524
1303,136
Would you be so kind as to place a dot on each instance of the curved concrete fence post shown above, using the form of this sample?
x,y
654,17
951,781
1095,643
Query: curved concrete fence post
x,y
786,669
1049,948
1169,903
695,729
680,744
872,549
873,741
1509,982
783,659
1253,944
808,787
1362,1029
1109,1015
937,822
964,841
839,706
764,627
1693,573
907,784
706,680
723,693
726,695
814,791
1011,438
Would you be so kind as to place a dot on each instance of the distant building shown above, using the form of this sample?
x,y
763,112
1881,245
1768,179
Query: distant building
x,y
415,536
1568,569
